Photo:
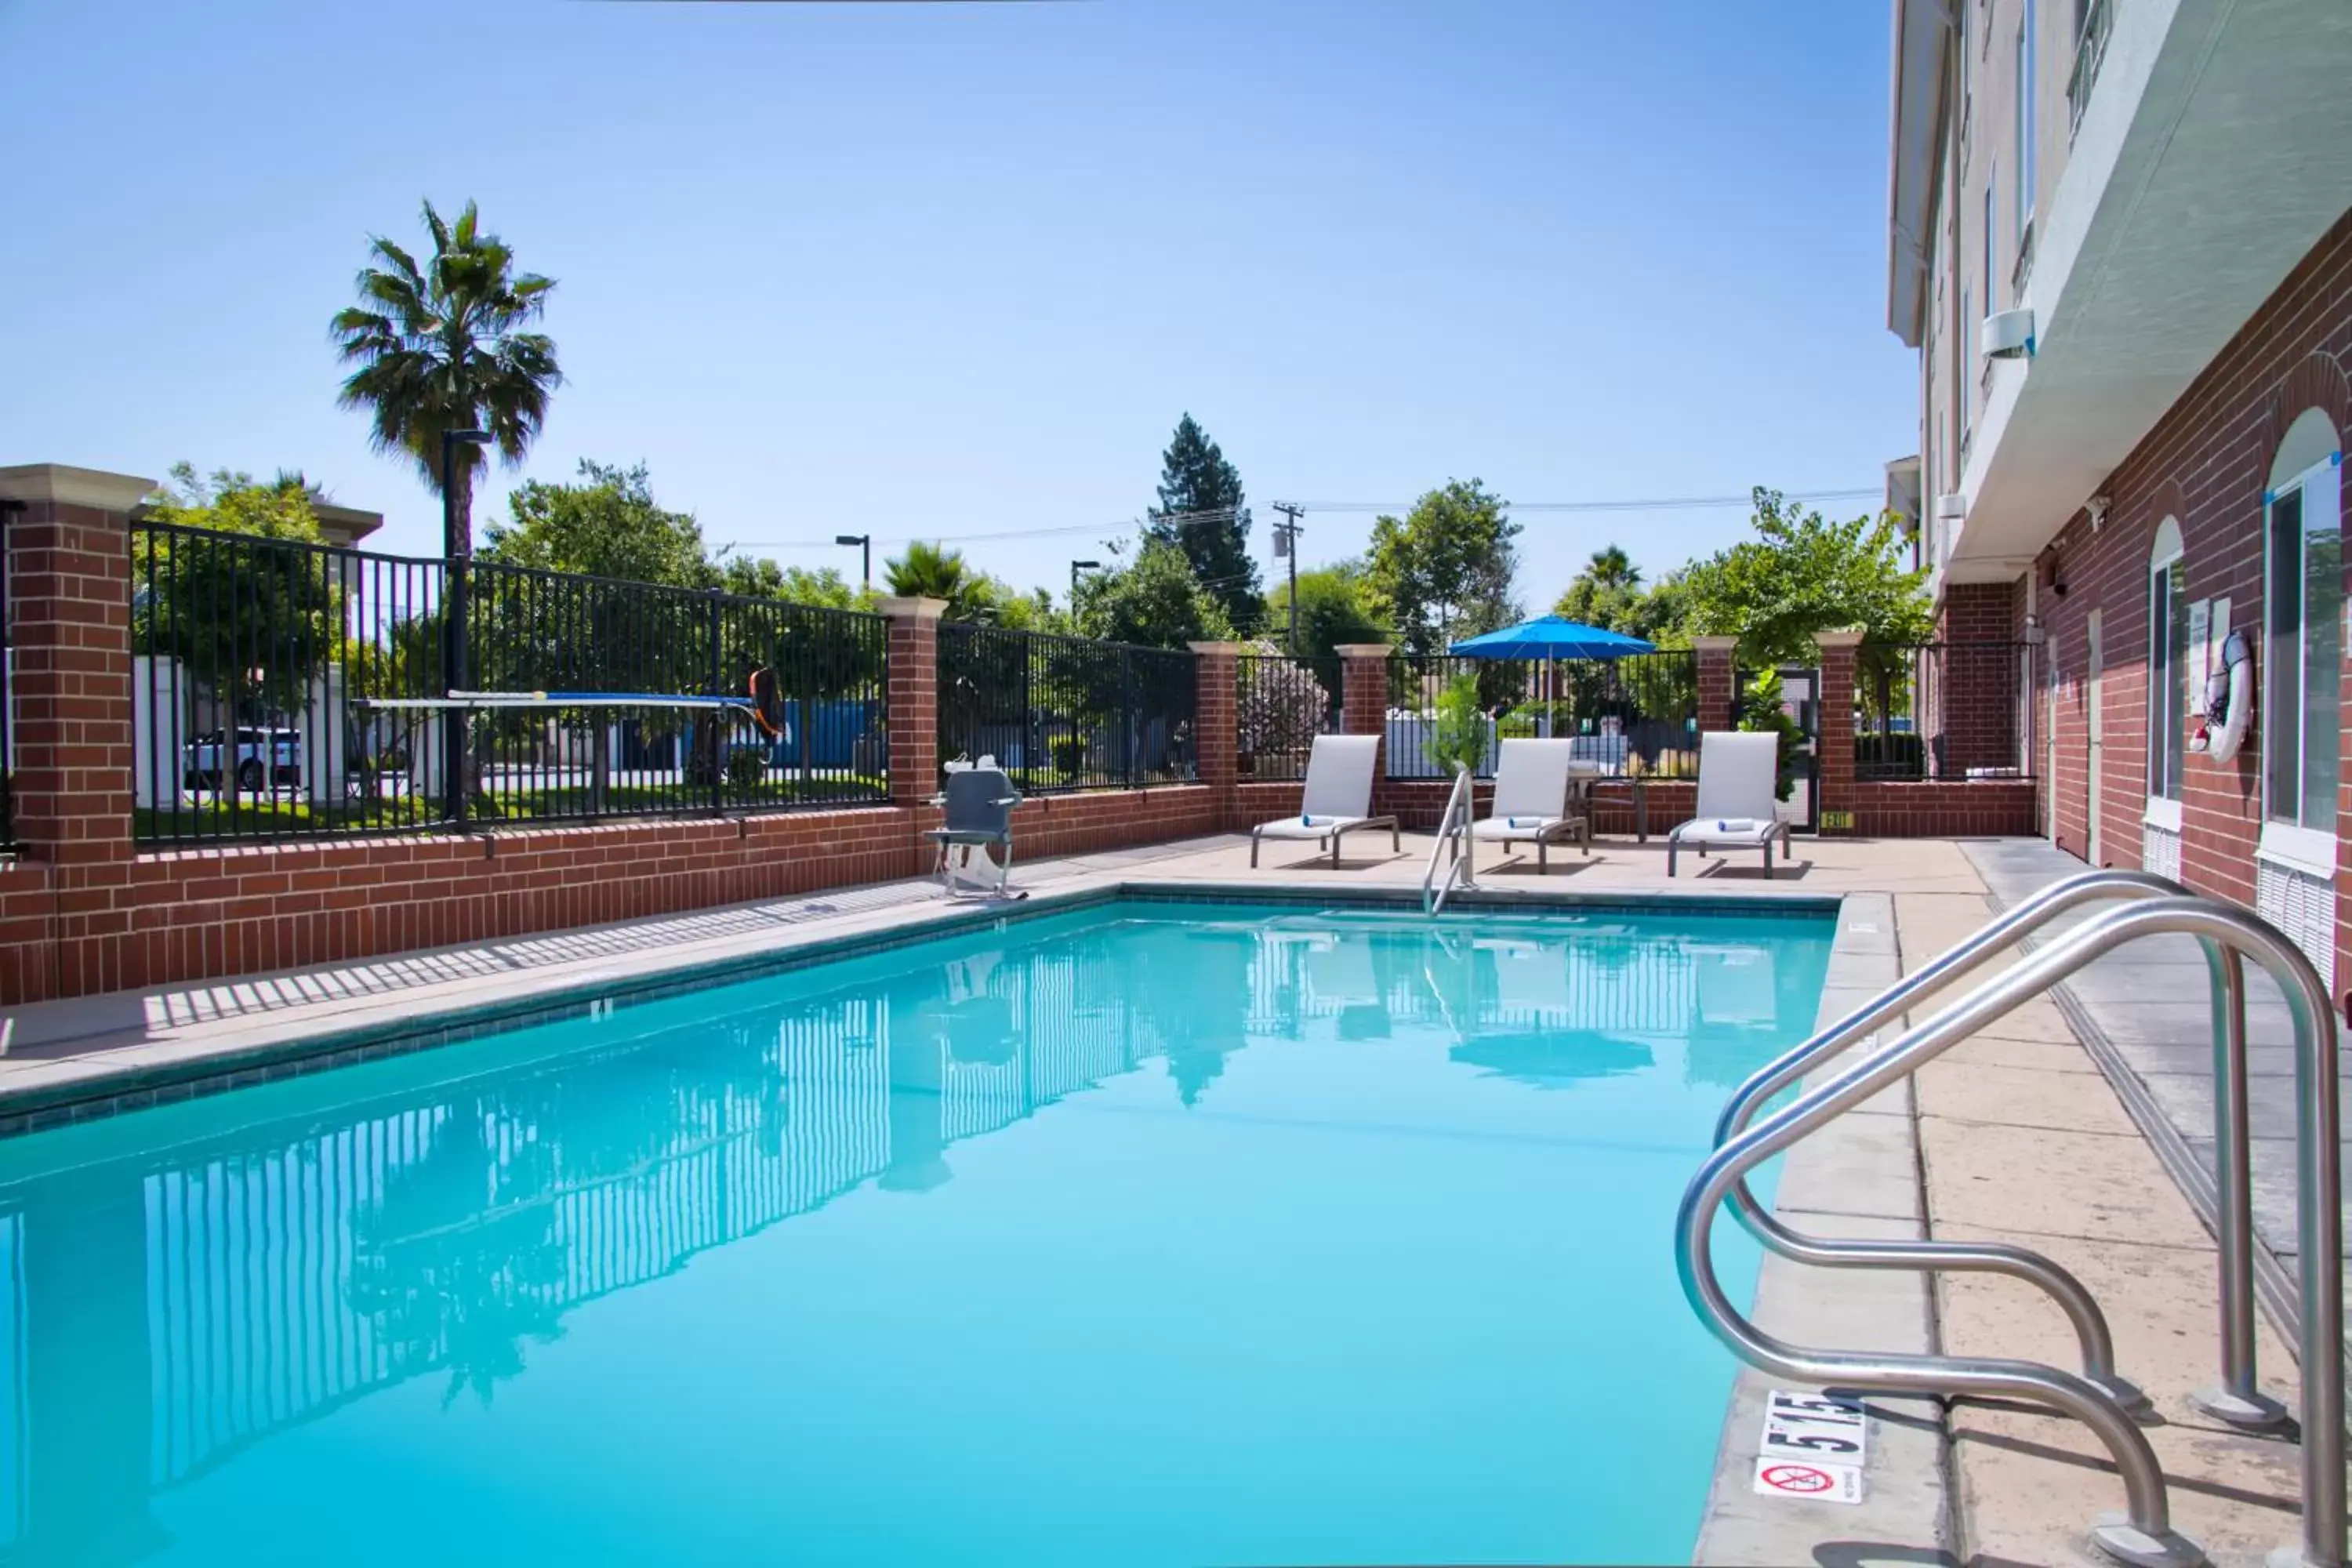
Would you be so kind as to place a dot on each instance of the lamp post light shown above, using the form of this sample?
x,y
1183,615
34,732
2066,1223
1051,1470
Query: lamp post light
x,y
1077,567
458,550
864,545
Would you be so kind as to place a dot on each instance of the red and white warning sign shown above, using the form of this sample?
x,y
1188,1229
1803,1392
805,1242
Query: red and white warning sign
x,y
1815,1481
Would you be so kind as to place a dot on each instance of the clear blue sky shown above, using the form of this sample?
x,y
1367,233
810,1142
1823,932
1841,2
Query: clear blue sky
x,y
948,268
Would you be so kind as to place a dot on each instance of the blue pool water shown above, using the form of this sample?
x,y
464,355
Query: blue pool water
x,y
1147,1234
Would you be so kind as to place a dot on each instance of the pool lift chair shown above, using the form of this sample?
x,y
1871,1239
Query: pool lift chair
x,y
979,801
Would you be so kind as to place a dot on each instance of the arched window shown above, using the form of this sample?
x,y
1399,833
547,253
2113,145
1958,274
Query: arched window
x,y
2303,620
2168,674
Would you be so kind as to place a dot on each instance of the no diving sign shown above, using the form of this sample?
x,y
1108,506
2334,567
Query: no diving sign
x,y
1812,1445
1821,1483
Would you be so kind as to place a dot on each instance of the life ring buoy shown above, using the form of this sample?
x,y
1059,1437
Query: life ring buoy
x,y
2229,701
767,694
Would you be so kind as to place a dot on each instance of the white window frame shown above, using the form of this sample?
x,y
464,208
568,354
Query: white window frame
x,y
2292,842
1992,235
2171,704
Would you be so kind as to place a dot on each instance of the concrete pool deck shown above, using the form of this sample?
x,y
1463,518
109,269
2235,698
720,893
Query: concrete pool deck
x,y
2017,1134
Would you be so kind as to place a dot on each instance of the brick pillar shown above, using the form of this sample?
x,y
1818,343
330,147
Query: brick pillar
x,y
914,700
69,587
1833,744
1216,740
1364,695
1717,680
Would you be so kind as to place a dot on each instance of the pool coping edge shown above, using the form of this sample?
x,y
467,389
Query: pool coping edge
x,y
1848,1178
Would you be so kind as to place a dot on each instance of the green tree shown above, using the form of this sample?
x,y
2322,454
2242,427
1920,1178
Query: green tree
x,y
1445,571
1200,513
1154,600
606,524
249,613
760,578
445,347
1803,573
1609,593
1336,607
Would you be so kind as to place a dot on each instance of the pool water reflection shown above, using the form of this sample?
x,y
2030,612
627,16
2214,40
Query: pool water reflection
x,y
1162,1234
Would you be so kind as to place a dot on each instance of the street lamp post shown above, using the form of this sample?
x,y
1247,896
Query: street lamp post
x,y
457,551
1077,567
864,543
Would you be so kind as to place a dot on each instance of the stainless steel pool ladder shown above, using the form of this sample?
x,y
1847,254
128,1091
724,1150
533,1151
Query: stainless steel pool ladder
x,y
2099,1397
1454,835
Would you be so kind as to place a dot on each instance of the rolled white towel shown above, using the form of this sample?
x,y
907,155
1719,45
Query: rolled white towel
x,y
1736,825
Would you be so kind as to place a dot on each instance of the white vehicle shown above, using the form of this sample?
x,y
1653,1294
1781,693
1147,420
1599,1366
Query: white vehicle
x,y
263,757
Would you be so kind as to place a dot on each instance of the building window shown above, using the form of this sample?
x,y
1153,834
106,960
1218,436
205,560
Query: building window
x,y
1992,229
1964,365
2167,675
2026,88
2303,597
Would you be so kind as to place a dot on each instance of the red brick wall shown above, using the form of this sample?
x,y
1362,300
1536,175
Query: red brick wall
x,y
201,915
2206,462
1912,809
69,618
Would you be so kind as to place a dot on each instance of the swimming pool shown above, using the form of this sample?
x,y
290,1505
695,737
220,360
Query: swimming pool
x,y
1146,1233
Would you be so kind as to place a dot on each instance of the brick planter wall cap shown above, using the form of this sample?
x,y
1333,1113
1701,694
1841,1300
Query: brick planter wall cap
x,y
1849,637
1362,650
64,485
1235,649
912,609
1713,644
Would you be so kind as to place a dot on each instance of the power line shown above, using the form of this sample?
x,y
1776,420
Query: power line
x,y
1645,503
1053,530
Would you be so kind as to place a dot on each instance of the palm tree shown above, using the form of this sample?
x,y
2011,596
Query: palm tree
x,y
1611,567
443,348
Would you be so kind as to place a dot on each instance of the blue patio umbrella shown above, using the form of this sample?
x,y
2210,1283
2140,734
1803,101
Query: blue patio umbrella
x,y
1551,638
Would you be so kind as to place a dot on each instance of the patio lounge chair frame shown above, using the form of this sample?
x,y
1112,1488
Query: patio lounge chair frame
x,y
1742,770
1339,774
1541,779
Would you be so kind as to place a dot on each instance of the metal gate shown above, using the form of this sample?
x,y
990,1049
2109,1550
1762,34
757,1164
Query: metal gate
x,y
1801,703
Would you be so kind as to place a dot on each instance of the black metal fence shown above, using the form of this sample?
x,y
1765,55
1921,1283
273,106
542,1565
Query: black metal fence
x,y
282,688
1280,706
1943,711
1066,713
1633,717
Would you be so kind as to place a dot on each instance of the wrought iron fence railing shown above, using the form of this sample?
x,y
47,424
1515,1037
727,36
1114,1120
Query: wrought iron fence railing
x,y
1066,713
275,685
1943,711
1280,706
1631,717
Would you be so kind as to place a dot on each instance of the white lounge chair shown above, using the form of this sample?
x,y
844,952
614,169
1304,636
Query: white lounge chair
x,y
1338,797
1739,804
1530,804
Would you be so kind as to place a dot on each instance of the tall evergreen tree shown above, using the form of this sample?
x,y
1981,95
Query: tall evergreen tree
x,y
1195,477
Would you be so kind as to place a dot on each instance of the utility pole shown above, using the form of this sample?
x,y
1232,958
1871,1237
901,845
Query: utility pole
x,y
1286,547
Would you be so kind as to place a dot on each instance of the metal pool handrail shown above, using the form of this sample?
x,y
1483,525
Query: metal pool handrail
x,y
1453,830
2082,1308
2146,1536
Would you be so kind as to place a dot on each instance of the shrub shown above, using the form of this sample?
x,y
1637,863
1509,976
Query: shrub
x,y
1760,713
747,768
1458,735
